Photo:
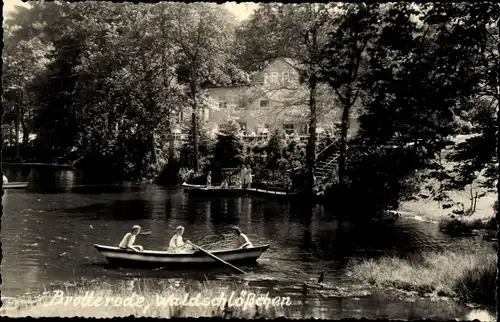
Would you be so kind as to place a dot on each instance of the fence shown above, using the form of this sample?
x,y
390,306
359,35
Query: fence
x,y
185,138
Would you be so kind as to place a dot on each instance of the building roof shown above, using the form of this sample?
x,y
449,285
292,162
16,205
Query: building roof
x,y
258,78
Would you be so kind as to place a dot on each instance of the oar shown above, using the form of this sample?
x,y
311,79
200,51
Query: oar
x,y
215,257
145,232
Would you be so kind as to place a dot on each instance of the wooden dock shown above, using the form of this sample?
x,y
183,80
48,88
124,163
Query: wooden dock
x,y
204,191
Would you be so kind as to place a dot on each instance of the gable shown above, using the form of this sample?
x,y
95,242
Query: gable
x,y
279,72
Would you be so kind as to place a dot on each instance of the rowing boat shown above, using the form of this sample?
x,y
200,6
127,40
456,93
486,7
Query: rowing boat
x,y
152,258
15,185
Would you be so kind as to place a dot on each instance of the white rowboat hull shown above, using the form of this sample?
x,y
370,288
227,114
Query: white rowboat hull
x,y
122,257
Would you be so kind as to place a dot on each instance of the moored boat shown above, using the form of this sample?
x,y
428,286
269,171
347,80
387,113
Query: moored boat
x,y
15,185
197,260
214,191
188,186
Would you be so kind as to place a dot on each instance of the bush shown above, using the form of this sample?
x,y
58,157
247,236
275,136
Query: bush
x,y
460,227
380,177
477,284
469,277
185,174
455,227
228,150
274,148
186,155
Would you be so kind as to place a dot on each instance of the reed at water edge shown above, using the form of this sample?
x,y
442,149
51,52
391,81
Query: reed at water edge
x,y
465,276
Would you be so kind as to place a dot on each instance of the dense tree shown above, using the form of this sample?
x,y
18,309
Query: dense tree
x,y
295,31
202,34
228,147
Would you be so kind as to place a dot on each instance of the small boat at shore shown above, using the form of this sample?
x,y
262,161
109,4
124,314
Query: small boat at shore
x,y
151,258
214,191
15,185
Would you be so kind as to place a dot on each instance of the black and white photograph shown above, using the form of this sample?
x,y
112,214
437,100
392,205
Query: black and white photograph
x,y
250,160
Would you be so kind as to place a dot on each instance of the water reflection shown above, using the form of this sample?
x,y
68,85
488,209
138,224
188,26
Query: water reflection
x,y
47,236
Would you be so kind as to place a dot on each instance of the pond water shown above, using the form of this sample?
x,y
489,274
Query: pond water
x,y
48,231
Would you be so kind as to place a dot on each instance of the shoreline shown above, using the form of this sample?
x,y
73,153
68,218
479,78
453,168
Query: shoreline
x,y
465,277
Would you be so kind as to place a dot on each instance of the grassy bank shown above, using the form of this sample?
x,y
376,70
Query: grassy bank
x,y
467,277
162,299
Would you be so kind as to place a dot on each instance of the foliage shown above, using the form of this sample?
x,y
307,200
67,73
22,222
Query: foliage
x,y
380,177
468,276
186,152
110,87
203,33
227,152
274,148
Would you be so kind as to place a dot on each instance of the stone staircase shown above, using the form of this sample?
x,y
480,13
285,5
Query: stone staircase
x,y
326,166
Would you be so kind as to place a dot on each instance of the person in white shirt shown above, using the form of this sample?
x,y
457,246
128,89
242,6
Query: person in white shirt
x,y
5,180
177,245
248,177
243,174
129,240
209,179
243,241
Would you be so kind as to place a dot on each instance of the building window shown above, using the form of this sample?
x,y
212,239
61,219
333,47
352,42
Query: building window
x,y
206,114
180,117
288,128
222,102
275,77
264,103
266,78
294,76
286,77
242,103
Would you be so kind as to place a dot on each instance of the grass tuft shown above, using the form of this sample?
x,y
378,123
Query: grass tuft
x,y
461,227
466,277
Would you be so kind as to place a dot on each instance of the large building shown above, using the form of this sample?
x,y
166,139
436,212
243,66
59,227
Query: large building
x,y
273,98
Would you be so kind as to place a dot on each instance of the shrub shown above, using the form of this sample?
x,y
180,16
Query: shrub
x,y
274,148
228,150
380,177
185,174
454,226
477,284
469,277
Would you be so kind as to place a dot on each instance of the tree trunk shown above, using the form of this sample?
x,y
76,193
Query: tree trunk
x,y
311,151
26,133
18,116
497,215
152,146
344,127
311,155
171,143
11,135
193,118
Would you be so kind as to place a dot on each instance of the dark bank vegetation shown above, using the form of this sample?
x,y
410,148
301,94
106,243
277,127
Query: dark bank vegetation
x,y
468,277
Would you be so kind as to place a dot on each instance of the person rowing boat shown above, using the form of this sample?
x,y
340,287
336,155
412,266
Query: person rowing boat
x,y
243,241
128,240
177,245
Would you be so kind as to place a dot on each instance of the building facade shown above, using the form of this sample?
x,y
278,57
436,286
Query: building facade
x,y
274,98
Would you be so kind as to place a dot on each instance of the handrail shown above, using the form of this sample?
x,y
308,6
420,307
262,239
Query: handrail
x,y
334,159
317,155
